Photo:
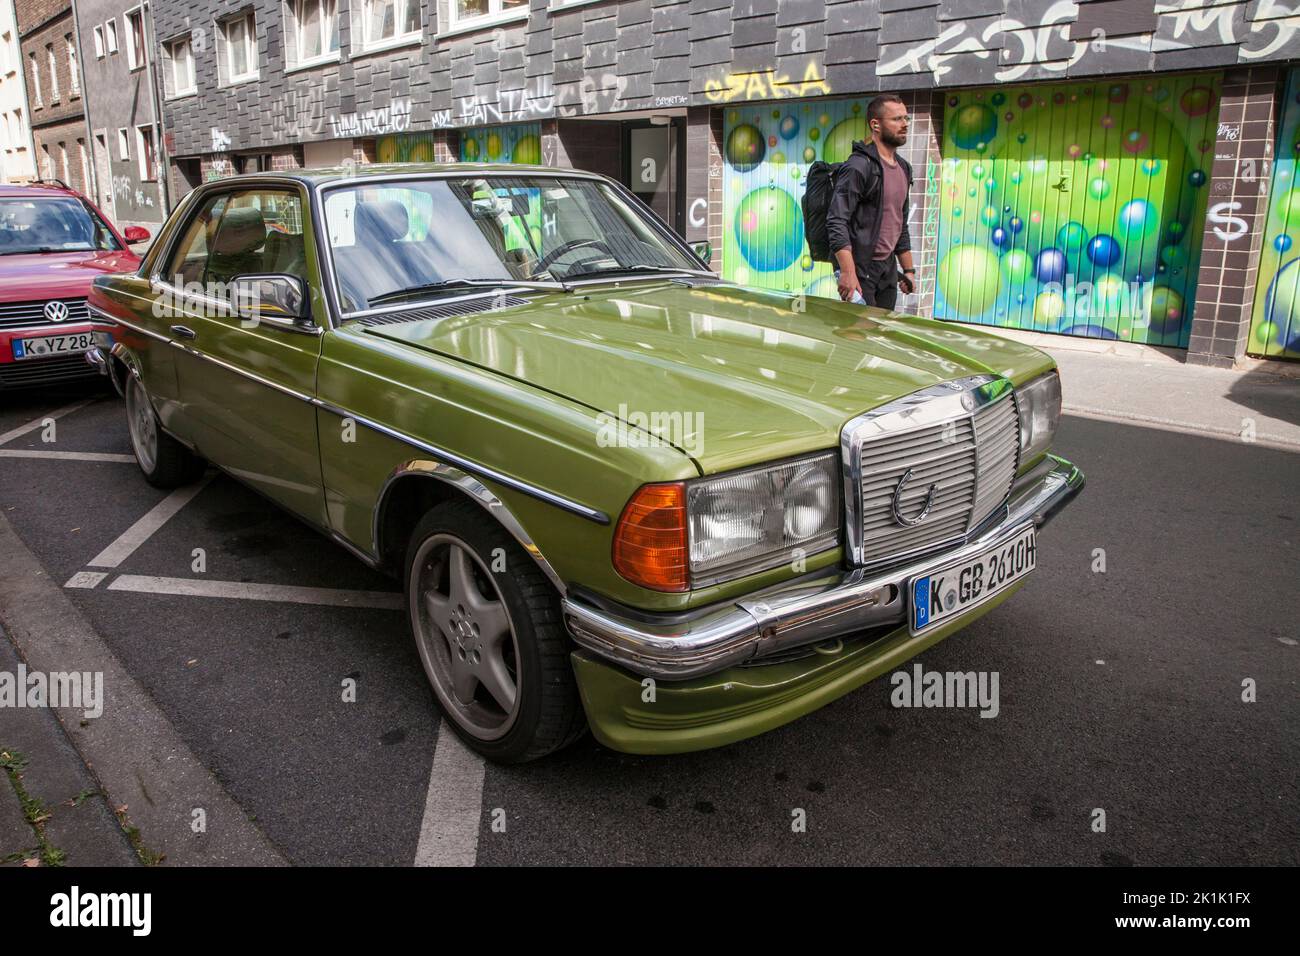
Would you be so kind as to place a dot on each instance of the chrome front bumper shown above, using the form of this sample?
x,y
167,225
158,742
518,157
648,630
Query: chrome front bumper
x,y
832,604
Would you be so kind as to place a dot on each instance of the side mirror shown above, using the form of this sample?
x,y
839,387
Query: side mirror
x,y
278,297
704,250
134,234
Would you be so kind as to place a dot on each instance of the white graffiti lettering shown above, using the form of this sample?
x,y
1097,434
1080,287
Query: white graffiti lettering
x,y
395,118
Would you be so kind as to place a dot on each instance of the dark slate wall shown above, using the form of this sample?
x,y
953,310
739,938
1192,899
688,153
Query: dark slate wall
x,y
620,55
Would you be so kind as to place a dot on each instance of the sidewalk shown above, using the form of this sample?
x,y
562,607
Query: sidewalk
x,y
52,810
1154,386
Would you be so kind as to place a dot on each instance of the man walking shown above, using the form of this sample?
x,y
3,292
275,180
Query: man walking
x,y
866,223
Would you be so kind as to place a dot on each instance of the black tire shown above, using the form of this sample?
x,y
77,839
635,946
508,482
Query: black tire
x,y
164,461
549,713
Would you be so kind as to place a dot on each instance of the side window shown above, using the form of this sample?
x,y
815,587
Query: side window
x,y
190,260
260,231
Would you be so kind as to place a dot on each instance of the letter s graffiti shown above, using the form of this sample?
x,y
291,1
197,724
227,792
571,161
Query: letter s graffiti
x,y
1220,213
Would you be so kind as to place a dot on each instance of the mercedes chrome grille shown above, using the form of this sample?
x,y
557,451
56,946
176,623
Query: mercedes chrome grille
x,y
923,472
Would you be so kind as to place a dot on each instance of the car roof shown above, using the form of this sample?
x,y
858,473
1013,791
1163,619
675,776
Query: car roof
x,y
330,174
32,190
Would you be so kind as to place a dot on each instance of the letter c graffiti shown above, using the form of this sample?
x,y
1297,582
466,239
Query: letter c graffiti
x,y
698,208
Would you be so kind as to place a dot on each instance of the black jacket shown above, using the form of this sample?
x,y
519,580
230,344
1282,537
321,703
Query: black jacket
x,y
854,216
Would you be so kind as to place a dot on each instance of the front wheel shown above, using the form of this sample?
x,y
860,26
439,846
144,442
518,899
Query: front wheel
x,y
488,630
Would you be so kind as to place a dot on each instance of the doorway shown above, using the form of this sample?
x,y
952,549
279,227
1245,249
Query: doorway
x,y
654,166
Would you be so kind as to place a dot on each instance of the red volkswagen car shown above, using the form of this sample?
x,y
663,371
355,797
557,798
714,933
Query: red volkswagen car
x,y
53,242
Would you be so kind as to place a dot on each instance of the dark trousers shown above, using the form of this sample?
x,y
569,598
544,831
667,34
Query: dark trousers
x,y
879,281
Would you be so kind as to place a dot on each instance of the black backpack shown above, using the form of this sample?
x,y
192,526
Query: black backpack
x,y
819,186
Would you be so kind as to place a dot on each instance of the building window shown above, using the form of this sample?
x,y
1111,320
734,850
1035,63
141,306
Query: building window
x,y
135,46
123,145
315,29
110,35
180,72
390,21
63,162
54,72
36,81
144,152
99,42
239,39
74,78
47,163
467,10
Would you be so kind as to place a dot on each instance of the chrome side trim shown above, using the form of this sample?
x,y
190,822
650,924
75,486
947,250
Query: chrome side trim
x,y
473,468
470,467
476,490
832,604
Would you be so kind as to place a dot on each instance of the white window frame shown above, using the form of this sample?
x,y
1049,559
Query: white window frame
x,y
135,59
497,13
191,78
85,163
229,78
73,69
54,72
294,60
370,44
99,42
123,145
63,164
142,155
110,34
36,79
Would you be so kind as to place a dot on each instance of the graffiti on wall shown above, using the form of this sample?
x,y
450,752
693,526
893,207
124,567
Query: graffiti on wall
x,y
1275,321
394,118
517,143
766,152
765,85
405,148
1076,208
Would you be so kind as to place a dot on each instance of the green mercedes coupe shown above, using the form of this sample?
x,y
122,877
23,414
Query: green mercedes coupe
x,y
620,492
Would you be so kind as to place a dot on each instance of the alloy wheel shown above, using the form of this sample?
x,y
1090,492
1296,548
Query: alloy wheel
x,y
141,424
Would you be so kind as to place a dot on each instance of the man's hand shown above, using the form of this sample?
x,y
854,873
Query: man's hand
x,y
849,286
906,283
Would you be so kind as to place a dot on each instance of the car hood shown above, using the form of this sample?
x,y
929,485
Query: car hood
x,y
54,275
734,375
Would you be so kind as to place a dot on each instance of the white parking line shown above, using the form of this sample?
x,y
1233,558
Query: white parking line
x,y
38,422
453,809
242,591
86,579
65,455
142,530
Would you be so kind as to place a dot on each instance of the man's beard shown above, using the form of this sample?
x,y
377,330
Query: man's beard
x,y
893,139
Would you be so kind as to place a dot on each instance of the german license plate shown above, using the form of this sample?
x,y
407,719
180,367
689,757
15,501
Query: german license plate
x,y
45,345
947,592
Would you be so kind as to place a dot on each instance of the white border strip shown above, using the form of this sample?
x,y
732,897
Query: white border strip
x,y
38,422
66,455
241,591
453,809
142,530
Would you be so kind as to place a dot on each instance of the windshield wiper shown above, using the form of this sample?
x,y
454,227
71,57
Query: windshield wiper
x,y
625,270
460,284
27,252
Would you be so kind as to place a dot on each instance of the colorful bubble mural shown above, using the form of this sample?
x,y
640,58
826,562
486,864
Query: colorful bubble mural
x,y
766,154
1076,208
1275,322
405,148
517,143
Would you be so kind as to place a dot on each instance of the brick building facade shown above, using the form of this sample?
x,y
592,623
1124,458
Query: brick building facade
x,y
50,51
1057,146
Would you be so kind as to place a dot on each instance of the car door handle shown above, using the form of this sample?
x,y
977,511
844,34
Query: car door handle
x,y
185,332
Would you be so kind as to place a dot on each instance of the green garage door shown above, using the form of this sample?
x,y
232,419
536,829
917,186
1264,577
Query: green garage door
x,y
1076,208
1275,325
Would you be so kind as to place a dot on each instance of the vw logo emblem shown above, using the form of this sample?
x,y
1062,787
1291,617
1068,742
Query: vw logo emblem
x,y
897,504
56,311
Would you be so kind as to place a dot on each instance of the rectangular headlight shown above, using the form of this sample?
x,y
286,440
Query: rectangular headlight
x,y
752,520
1040,413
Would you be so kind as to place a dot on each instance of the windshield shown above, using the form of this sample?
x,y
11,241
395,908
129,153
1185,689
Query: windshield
x,y
53,224
396,240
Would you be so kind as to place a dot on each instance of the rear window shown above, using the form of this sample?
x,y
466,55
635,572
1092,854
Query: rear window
x,y
52,224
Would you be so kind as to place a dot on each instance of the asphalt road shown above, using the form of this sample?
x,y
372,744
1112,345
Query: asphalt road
x,y
1119,690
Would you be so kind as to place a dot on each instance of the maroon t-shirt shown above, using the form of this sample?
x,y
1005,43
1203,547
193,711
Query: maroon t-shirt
x,y
894,191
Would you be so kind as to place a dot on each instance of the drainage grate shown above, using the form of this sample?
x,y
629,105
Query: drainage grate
x,y
481,303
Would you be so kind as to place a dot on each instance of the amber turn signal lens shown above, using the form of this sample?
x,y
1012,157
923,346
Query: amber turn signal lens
x,y
650,541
